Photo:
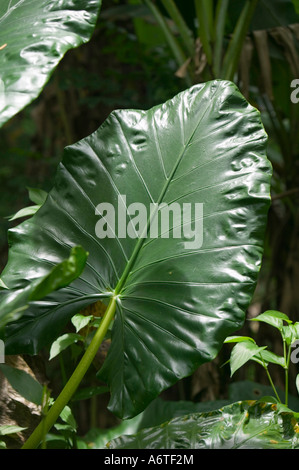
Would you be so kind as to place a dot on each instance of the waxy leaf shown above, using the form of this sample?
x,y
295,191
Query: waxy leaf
x,y
238,339
63,342
273,318
34,36
38,196
171,204
242,425
242,352
269,356
291,333
10,429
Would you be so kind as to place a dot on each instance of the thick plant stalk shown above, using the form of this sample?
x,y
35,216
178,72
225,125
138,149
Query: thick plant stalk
x,y
49,420
176,49
221,13
204,12
185,32
233,52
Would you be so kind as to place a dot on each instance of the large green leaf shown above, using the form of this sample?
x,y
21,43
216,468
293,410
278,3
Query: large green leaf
x,y
242,425
34,36
175,304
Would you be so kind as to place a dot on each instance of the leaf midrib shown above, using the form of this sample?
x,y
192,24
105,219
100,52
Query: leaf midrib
x,y
142,239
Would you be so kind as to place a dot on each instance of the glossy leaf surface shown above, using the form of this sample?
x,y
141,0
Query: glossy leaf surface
x,y
273,318
175,303
242,353
34,36
242,425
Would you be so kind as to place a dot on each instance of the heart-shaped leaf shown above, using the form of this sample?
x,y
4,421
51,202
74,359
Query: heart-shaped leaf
x,y
181,289
242,353
34,36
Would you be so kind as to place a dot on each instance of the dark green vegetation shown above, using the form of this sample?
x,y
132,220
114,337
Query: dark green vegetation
x,y
163,311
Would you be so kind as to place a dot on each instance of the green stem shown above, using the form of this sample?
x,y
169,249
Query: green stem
x,y
287,377
185,32
230,62
45,408
45,425
176,49
221,13
270,379
272,384
204,13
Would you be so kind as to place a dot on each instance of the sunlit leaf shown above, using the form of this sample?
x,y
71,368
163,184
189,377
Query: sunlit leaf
x,y
63,342
34,36
273,318
178,297
242,352
242,425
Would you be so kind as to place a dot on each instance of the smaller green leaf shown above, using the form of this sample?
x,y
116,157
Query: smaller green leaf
x,y
67,416
241,353
268,399
23,383
297,383
63,342
269,356
290,333
80,321
62,274
25,212
238,339
2,445
10,429
38,196
273,318
63,427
